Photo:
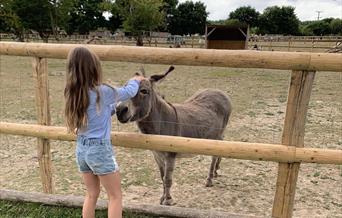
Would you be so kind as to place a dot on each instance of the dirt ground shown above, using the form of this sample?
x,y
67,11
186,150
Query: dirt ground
x,y
246,187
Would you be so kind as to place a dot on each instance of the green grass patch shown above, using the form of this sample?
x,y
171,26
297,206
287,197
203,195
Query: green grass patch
x,y
10,209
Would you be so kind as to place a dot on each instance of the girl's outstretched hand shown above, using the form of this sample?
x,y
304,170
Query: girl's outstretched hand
x,y
138,78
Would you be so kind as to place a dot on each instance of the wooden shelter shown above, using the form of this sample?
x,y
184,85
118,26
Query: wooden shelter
x,y
233,37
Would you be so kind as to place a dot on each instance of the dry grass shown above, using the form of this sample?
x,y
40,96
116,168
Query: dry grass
x,y
259,100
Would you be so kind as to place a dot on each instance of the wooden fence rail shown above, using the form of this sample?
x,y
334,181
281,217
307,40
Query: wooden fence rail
x,y
229,149
265,43
289,155
184,56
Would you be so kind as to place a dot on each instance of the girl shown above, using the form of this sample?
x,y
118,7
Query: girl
x,y
88,108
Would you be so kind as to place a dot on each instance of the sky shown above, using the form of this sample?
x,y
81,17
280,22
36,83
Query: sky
x,y
305,9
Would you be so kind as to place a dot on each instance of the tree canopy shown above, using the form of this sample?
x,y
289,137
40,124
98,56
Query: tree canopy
x,y
10,22
189,18
85,16
169,8
336,26
138,16
322,27
35,15
279,20
246,14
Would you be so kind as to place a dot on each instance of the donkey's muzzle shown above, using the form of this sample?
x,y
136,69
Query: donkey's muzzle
x,y
122,113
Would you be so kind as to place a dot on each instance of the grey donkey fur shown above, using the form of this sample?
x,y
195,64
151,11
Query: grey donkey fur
x,y
204,115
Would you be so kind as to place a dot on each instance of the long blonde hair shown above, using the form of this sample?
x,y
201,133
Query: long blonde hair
x,y
83,73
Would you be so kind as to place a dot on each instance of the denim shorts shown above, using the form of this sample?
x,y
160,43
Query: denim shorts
x,y
95,156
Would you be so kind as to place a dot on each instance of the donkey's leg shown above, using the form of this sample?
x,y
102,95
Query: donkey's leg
x,y
218,161
169,167
209,182
217,166
162,173
159,158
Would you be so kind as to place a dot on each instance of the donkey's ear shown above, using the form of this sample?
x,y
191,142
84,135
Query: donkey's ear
x,y
159,77
142,70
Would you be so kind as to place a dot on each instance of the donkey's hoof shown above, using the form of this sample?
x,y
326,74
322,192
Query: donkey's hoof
x,y
168,202
216,175
209,183
161,200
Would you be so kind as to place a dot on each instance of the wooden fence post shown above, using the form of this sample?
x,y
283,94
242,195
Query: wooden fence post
x,y
289,47
293,135
312,44
192,41
40,74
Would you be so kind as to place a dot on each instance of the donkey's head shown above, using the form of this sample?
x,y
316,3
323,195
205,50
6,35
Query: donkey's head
x,y
139,107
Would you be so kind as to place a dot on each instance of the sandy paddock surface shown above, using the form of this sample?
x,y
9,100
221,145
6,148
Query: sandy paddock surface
x,y
246,187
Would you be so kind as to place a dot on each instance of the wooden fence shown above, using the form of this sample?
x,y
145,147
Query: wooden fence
x,y
265,43
184,41
295,44
289,155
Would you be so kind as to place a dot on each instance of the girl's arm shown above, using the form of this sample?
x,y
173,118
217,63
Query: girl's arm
x,y
128,91
114,95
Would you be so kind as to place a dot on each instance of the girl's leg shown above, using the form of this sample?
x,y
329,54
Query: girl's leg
x,y
92,183
112,183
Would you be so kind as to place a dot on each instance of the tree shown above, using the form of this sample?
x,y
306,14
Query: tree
x,y
4,10
116,20
141,16
279,20
336,26
9,21
85,16
246,14
35,15
234,22
61,14
317,28
189,18
169,8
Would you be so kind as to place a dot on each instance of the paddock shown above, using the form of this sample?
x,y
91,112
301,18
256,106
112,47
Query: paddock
x,y
303,65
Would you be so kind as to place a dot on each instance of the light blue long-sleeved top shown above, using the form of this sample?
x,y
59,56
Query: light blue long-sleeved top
x,y
99,121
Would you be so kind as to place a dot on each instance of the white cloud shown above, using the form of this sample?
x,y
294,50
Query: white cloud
x,y
305,9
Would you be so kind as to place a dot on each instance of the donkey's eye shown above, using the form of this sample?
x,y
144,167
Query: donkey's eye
x,y
144,91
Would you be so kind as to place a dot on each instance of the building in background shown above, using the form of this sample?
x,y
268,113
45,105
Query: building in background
x,y
227,36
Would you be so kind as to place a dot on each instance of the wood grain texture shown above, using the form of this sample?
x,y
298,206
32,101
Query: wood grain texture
x,y
184,56
229,149
40,75
293,135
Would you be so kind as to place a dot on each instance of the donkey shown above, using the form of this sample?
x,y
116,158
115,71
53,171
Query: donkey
x,y
204,115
